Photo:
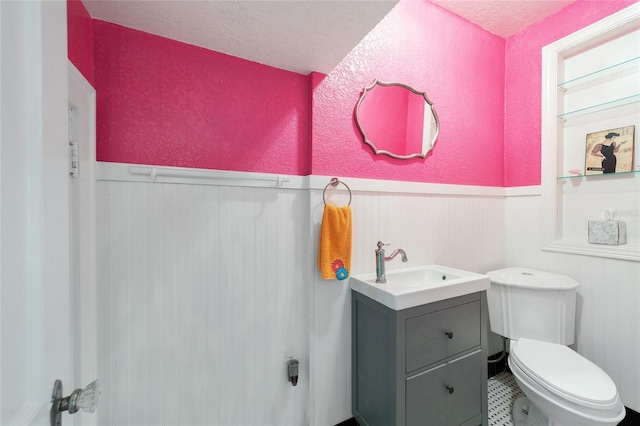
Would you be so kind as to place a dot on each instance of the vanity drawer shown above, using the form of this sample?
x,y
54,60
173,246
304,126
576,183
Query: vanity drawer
x,y
450,394
437,335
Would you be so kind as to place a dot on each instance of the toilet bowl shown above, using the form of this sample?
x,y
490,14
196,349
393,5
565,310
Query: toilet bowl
x,y
537,310
567,388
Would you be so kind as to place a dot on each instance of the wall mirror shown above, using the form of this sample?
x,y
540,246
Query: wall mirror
x,y
397,120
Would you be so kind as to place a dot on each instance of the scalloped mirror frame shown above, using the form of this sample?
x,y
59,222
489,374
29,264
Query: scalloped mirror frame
x,y
380,147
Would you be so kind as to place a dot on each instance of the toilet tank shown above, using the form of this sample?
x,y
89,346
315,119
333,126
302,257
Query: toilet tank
x,y
533,304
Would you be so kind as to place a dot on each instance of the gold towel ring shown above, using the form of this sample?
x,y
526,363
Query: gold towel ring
x,y
334,182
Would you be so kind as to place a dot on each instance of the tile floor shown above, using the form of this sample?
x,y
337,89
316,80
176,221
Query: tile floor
x,y
503,391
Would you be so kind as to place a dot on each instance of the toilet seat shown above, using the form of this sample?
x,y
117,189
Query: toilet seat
x,y
565,374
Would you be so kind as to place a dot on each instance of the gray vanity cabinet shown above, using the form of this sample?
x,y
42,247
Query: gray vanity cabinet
x,y
422,366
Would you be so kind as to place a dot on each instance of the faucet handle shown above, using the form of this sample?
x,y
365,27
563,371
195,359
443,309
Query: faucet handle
x,y
385,243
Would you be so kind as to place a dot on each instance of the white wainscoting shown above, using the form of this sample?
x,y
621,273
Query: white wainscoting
x,y
201,301
206,288
608,314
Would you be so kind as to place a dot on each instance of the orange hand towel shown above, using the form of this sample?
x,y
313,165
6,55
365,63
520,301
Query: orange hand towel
x,y
334,254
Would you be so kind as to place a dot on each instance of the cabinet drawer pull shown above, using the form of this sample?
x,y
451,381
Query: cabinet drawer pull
x,y
450,389
449,334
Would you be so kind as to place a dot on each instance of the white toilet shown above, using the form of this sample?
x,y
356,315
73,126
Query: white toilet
x,y
537,310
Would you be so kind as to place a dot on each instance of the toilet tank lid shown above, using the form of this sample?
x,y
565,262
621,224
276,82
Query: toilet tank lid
x,y
531,278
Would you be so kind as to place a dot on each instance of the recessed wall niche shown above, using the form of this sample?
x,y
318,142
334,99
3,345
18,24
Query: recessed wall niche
x,y
591,83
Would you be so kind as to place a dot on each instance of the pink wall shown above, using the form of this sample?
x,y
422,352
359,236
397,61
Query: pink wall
x,y
162,102
459,65
80,39
523,84
167,103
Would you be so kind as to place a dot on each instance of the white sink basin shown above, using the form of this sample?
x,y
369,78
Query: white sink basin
x,y
409,287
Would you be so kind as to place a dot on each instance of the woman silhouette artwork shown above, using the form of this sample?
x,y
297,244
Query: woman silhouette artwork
x,y
607,150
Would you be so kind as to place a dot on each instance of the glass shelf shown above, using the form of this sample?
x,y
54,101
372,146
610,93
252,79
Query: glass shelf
x,y
600,176
627,67
601,107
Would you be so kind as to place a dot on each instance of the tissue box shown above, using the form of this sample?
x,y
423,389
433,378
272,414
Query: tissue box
x,y
610,232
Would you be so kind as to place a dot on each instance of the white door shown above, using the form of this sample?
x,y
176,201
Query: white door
x,y
82,127
35,307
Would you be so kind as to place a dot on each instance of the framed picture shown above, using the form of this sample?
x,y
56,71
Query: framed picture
x,y
609,151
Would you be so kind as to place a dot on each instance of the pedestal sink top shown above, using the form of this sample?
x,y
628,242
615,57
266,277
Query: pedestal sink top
x,y
409,287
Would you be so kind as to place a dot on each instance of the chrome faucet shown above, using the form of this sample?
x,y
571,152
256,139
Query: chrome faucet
x,y
380,259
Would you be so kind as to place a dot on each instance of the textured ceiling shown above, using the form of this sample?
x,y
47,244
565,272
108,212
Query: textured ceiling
x,y
297,35
300,36
503,17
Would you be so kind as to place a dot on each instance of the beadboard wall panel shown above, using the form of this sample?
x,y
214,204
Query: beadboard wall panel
x,y
456,230
206,289
202,299
608,303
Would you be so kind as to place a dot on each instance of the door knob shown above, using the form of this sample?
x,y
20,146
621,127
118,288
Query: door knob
x,y
80,399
